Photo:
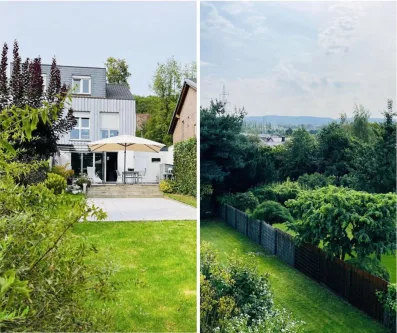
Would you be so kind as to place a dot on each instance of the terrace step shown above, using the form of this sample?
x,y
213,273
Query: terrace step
x,y
124,191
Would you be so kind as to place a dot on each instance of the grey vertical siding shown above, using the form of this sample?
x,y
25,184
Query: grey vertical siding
x,y
125,109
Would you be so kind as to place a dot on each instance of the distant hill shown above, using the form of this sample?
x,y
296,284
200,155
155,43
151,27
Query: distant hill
x,y
296,120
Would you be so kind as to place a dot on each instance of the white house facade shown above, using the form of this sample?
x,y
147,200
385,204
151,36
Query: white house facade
x,y
102,110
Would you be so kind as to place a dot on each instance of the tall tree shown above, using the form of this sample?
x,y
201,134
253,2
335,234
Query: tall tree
x,y
166,85
16,81
117,71
4,91
360,126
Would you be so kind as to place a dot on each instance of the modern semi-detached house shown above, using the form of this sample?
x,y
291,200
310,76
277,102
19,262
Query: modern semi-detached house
x,y
102,110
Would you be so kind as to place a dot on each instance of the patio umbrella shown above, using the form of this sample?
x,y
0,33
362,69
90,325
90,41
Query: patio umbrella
x,y
125,142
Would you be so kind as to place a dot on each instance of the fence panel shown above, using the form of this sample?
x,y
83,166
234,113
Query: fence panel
x,y
231,216
241,222
337,276
362,293
222,212
285,247
254,230
309,260
268,238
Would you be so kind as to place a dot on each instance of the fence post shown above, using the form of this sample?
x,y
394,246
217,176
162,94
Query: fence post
x,y
246,224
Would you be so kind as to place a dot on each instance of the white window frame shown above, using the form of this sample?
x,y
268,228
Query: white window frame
x,y
76,77
44,76
79,128
108,130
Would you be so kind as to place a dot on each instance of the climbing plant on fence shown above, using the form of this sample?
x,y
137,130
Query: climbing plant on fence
x,y
185,161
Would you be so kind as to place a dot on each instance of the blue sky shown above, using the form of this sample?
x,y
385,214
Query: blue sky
x,y
299,58
87,33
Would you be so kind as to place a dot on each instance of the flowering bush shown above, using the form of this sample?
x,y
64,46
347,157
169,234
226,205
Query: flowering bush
x,y
56,183
167,186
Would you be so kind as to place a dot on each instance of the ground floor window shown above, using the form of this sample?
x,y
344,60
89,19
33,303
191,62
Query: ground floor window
x,y
80,162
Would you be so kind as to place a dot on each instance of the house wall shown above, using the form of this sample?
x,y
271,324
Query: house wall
x,y
98,77
186,125
93,107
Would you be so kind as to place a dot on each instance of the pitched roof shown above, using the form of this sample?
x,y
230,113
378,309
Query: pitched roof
x,y
189,83
118,91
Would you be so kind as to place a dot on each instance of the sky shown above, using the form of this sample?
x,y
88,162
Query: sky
x,y
87,33
299,58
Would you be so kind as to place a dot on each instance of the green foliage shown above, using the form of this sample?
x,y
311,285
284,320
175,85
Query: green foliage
x,y
345,221
83,179
56,183
315,180
371,265
389,298
240,201
185,167
63,171
44,273
280,192
301,153
271,212
166,85
117,71
167,186
37,174
229,292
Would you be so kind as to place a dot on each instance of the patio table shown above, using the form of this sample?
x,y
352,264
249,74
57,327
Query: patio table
x,y
130,175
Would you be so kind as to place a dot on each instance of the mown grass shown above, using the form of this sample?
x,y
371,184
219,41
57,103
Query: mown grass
x,y
156,273
389,261
186,199
322,310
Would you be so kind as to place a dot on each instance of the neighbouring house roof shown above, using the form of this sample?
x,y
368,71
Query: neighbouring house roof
x,y
272,141
187,84
118,91
141,119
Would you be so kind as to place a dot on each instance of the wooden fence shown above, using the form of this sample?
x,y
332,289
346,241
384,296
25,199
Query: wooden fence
x,y
354,285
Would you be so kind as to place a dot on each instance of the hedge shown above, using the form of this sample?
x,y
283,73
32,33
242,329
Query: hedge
x,y
185,170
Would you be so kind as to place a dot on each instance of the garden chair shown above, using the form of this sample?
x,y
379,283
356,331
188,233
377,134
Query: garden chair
x,y
119,176
93,176
141,175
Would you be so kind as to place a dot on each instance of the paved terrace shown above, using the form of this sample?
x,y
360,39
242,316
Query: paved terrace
x,y
144,209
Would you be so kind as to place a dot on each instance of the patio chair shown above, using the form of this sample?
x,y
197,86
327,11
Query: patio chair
x,y
119,177
93,176
141,175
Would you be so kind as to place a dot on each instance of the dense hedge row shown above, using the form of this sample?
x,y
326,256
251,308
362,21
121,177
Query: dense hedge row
x,y
185,170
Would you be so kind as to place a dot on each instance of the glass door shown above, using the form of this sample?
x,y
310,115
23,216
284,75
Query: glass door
x,y
99,165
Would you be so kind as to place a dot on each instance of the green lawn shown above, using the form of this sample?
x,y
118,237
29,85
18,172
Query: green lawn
x,y
186,199
156,264
389,261
322,310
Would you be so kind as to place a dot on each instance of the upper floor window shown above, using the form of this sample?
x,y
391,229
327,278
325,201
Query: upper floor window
x,y
82,129
108,133
44,76
81,85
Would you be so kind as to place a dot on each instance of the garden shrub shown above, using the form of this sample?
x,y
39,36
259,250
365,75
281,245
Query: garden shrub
x,y
55,182
83,179
371,265
35,175
185,167
235,297
241,201
271,212
315,180
167,186
63,171
280,192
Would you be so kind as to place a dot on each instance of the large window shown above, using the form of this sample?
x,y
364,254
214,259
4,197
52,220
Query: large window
x,y
81,130
81,85
80,162
108,133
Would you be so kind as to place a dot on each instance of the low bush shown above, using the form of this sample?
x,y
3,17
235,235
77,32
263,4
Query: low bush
x,y
167,186
35,175
241,201
271,212
280,192
83,179
235,297
56,183
63,171
315,180
371,265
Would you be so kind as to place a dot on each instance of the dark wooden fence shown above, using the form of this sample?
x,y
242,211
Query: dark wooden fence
x,y
354,285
